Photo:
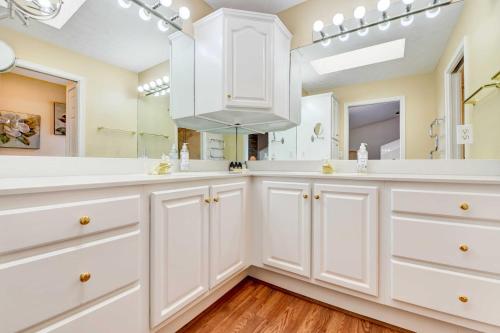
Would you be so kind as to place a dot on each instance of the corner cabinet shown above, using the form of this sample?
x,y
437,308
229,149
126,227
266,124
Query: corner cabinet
x,y
286,228
242,69
345,239
197,242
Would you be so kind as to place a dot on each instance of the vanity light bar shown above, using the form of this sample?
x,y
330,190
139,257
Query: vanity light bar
x,y
158,87
147,11
383,5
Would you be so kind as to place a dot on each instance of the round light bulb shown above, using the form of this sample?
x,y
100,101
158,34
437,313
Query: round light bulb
x,y
163,93
318,26
359,12
145,87
166,79
383,5
432,13
156,94
159,82
338,19
166,3
162,26
408,2
168,90
140,89
326,42
408,20
152,84
125,3
384,26
344,38
363,32
144,14
184,13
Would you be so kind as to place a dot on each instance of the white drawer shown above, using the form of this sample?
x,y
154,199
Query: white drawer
x,y
440,290
118,314
32,226
37,288
441,203
461,245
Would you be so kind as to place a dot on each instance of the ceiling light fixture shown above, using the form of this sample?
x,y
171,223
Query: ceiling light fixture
x,y
40,10
156,87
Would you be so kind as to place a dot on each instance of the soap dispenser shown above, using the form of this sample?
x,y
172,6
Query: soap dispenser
x,y
184,157
362,159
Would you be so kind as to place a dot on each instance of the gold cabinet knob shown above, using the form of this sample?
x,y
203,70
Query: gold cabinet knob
x,y
216,199
316,197
207,200
306,196
84,220
229,96
464,206
464,248
84,277
463,299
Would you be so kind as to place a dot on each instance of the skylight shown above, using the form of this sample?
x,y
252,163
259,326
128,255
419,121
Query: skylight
x,y
361,57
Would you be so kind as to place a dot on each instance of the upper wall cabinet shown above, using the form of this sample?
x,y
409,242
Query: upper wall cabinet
x,y
242,70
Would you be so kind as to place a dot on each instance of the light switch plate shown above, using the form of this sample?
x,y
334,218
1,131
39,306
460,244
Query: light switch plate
x,y
465,134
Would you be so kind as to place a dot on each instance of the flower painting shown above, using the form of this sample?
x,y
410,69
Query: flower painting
x,y
19,130
59,119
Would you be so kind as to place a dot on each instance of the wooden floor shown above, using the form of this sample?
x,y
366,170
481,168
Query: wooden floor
x,y
253,306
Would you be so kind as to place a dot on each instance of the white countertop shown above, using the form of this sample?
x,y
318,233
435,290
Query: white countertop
x,y
42,184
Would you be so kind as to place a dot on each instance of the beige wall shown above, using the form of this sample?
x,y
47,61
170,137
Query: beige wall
x,y
479,27
420,100
27,95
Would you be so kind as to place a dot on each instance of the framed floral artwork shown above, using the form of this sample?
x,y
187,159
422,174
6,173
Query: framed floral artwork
x,y
59,118
19,130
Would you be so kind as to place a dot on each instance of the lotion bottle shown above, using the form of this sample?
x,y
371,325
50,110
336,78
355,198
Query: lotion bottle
x,y
184,157
362,159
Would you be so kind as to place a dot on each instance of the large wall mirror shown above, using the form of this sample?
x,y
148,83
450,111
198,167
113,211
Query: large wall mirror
x,y
95,81
423,86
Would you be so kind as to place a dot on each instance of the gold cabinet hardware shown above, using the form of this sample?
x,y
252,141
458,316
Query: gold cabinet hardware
x,y
84,277
306,196
464,206
207,200
84,220
463,299
316,197
464,248
216,199
229,96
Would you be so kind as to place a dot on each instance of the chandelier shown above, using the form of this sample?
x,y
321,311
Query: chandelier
x,y
25,10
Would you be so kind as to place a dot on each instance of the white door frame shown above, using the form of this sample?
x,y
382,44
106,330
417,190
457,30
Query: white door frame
x,y
402,122
458,55
81,86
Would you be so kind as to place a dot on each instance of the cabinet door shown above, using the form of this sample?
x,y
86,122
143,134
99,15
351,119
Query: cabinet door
x,y
179,249
286,226
227,231
249,63
345,239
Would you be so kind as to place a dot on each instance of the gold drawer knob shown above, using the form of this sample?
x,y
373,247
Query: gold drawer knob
x,y
216,199
463,299
464,248
84,220
84,277
306,196
207,200
464,206
316,197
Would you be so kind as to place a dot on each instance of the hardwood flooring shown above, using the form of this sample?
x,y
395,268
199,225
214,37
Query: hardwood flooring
x,y
253,306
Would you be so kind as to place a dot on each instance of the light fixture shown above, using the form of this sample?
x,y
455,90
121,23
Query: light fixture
x,y
152,84
359,14
318,26
338,20
145,87
326,42
125,3
361,57
184,13
166,79
166,3
159,82
408,20
383,6
144,14
432,13
162,26
155,88
41,10
140,89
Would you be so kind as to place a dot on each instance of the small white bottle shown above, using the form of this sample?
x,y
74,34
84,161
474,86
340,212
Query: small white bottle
x,y
184,157
174,154
362,159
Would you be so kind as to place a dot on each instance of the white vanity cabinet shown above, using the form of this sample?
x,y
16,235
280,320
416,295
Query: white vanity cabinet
x,y
286,226
242,69
197,242
345,237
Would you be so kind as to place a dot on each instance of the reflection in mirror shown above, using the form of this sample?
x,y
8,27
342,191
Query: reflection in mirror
x,y
406,88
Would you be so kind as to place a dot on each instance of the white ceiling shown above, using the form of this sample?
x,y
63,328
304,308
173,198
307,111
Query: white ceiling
x,y
362,115
101,29
264,6
425,43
